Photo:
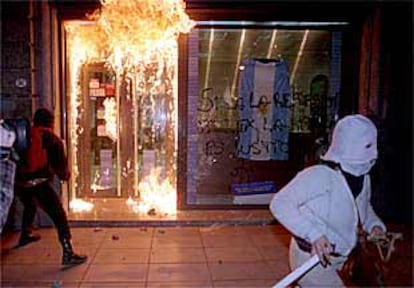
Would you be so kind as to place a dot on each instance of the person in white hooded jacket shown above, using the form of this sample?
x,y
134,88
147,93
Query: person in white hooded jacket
x,y
323,205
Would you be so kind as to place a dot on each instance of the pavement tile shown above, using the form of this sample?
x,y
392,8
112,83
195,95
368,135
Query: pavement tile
x,y
177,255
233,254
178,272
241,271
116,273
122,256
189,257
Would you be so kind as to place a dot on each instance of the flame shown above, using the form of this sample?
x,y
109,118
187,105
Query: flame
x,y
141,31
81,49
79,205
155,195
137,39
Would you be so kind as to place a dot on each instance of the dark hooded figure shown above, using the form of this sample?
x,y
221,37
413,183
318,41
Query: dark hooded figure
x,y
44,159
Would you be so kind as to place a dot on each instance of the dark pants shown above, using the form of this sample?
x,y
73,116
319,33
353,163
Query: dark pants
x,y
49,202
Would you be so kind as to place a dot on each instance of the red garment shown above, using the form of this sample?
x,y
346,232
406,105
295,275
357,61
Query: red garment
x,y
36,155
45,157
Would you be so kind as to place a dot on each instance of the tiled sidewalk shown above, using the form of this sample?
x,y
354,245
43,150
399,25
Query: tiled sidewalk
x,y
215,256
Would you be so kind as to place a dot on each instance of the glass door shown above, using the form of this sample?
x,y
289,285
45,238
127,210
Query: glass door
x,y
122,136
98,143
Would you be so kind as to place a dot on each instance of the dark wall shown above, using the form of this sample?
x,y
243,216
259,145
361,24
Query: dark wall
x,y
15,60
397,54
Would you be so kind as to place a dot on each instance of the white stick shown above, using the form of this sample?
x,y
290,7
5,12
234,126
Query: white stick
x,y
298,272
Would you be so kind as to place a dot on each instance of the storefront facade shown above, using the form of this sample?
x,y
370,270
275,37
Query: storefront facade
x,y
250,101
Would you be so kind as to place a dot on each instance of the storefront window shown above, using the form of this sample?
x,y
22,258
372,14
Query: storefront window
x,y
265,100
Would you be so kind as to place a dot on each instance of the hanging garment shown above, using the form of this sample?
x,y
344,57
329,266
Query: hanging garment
x,y
264,111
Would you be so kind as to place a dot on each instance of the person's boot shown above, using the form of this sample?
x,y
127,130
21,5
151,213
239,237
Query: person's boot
x,y
27,238
69,257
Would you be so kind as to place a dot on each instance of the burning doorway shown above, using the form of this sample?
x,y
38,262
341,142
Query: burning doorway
x,y
122,106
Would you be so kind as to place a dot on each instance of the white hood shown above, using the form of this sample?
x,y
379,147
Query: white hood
x,y
353,145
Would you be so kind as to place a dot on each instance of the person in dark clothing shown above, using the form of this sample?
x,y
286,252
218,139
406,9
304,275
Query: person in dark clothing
x,y
42,161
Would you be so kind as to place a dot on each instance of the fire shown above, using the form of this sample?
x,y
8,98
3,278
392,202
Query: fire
x,y
141,31
156,195
79,205
137,39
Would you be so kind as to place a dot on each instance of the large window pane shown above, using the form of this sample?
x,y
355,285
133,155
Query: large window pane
x,y
266,100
